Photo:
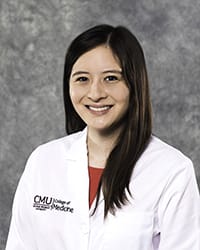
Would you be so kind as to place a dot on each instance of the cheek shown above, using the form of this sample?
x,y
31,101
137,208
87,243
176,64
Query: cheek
x,y
74,95
122,96
126,103
74,99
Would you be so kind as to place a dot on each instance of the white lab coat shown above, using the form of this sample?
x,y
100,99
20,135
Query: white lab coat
x,y
51,211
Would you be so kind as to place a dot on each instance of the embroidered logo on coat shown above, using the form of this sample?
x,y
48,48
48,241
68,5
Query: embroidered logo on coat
x,y
45,203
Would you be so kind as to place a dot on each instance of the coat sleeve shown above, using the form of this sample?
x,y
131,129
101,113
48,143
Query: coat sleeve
x,y
179,212
21,231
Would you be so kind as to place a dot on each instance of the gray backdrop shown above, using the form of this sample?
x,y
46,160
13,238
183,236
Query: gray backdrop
x,y
34,35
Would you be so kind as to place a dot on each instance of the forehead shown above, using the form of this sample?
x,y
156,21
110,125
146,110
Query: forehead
x,y
99,58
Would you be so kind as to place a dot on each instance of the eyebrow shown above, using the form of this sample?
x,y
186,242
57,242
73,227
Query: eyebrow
x,y
113,71
79,73
104,72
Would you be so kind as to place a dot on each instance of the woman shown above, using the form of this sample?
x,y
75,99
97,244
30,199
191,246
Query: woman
x,y
110,184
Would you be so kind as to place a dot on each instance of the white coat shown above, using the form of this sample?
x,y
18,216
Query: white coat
x,y
51,211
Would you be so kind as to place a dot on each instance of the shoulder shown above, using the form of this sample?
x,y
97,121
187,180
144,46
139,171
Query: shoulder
x,y
162,159
166,152
162,167
53,155
66,140
57,148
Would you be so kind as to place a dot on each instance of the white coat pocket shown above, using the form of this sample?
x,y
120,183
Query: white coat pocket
x,y
129,230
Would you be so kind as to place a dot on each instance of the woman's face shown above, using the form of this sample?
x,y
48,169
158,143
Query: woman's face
x,y
98,91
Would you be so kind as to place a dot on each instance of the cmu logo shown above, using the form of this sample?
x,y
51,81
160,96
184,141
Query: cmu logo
x,y
44,203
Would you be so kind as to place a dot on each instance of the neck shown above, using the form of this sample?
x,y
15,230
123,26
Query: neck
x,y
100,144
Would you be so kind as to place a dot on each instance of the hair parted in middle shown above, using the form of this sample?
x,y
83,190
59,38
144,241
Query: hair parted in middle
x,y
137,129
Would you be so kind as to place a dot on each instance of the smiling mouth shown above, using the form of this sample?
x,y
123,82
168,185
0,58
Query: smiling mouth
x,y
99,109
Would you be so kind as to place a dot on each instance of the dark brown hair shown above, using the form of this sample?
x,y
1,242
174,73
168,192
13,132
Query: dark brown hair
x,y
138,122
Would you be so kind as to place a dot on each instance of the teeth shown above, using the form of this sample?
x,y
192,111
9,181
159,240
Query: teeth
x,y
100,108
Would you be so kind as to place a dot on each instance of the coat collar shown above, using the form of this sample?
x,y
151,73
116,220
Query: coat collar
x,y
78,146
78,152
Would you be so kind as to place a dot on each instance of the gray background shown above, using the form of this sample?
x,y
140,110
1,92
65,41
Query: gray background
x,y
34,35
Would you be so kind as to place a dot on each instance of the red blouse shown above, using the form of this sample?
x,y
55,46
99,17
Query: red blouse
x,y
94,176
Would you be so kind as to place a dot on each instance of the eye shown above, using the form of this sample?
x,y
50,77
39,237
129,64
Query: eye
x,y
111,78
82,79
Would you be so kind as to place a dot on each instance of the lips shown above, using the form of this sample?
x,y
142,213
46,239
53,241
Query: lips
x,y
99,108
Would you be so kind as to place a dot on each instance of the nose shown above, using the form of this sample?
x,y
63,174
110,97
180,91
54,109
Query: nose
x,y
96,91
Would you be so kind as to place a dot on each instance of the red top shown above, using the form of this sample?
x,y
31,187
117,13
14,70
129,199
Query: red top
x,y
94,175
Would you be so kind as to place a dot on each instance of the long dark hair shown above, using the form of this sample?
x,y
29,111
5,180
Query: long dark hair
x,y
137,131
